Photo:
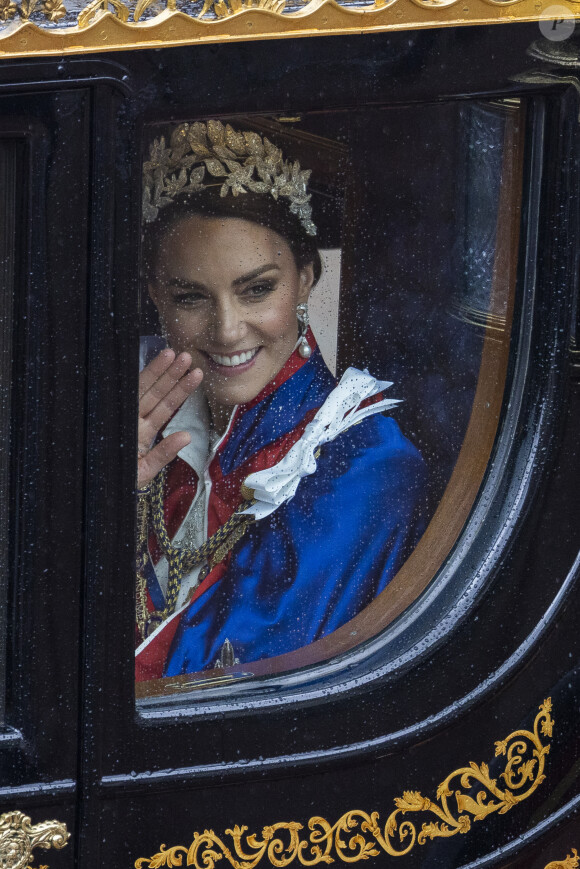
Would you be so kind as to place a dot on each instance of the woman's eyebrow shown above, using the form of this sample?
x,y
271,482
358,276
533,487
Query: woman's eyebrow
x,y
255,274
183,284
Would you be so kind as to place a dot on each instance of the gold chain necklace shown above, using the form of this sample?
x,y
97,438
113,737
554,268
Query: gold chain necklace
x,y
181,561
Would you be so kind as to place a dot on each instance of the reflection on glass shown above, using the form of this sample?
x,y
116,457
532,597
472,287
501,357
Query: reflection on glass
x,y
278,494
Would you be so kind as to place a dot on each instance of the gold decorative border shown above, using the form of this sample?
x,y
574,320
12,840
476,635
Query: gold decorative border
x,y
105,25
453,812
570,862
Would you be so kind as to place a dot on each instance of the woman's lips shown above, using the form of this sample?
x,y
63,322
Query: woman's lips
x,y
236,363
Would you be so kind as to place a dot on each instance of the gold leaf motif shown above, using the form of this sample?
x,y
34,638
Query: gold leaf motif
x,y
54,10
571,861
166,857
215,168
500,747
412,801
196,133
478,808
216,132
19,837
97,8
223,153
348,839
8,10
27,7
235,141
443,791
141,7
254,143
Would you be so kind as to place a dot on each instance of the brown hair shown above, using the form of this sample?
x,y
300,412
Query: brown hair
x,y
256,207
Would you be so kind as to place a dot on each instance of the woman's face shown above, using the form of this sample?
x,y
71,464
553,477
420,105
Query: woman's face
x,y
226,290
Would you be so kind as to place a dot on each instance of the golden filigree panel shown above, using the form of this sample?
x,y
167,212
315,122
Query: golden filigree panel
x,y
19,837
45,27
358,835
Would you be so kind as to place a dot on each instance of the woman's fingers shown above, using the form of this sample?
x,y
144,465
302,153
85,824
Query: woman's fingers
x,y
159,378
165,407
161,454
154,370
164,385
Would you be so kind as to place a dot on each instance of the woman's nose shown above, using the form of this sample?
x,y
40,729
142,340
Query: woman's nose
x,y
229,325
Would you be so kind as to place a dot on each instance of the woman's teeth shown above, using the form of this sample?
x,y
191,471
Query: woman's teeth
x,y
236,359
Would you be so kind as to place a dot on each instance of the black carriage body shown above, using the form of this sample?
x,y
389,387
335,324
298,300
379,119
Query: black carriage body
x,y
470,663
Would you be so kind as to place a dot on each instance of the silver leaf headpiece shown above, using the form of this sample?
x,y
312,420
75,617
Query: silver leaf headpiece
x,y
239,161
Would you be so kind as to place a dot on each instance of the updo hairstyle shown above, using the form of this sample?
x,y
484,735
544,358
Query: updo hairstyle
x,y
258,208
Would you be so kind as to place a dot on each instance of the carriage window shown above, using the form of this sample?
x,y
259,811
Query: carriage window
x,y
326,315
11,156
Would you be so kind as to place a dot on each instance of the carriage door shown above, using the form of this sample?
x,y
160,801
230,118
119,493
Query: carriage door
x,y
436,724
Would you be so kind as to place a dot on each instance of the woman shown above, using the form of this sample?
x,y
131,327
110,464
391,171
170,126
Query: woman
x,y
268,516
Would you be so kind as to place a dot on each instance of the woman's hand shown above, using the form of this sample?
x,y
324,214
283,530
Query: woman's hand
x,y
164,385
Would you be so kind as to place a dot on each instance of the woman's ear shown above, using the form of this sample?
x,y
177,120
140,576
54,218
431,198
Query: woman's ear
x,y
306,282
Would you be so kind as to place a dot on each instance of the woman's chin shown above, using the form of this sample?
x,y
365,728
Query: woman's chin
x,y
227,393
231,385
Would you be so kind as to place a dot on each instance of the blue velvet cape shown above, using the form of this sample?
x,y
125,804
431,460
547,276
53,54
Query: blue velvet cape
x,y
321,557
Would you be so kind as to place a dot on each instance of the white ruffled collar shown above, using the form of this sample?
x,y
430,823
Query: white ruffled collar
x,y
273,486
193,416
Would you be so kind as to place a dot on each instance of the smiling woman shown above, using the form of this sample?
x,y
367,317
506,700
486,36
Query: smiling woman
x,y
227,291
268,515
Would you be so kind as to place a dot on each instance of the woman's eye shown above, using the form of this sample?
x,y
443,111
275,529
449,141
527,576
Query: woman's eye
x,y
184,300
257,291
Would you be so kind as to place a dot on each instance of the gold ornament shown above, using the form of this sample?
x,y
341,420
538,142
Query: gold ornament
x,y
54,9
222,8
181,559
357,835
96,9
19,837
239,161
106,26
569,862
8,10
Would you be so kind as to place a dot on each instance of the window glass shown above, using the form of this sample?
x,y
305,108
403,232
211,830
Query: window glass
x,y
326,317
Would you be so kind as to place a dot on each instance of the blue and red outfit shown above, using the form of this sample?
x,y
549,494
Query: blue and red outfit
x,y
318,559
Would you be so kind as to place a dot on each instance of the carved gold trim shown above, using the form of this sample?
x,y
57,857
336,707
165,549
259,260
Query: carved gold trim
x,y
19,837
569,862
104,25
452,812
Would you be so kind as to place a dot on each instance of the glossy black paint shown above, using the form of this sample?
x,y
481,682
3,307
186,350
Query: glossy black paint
x,y
470,662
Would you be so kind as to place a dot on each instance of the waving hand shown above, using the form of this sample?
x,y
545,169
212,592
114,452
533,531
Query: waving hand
x,y
164,385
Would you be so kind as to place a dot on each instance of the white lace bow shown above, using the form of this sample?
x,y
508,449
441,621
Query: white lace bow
x,y
274,486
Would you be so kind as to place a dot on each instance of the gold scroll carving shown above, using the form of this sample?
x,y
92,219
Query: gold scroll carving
x,y
19,837
465,796
57,27
569,862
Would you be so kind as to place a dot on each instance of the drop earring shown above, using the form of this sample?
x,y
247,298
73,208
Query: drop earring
x,y
304,348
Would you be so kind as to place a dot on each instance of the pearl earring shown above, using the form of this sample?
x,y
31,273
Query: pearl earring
x,y
304,347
